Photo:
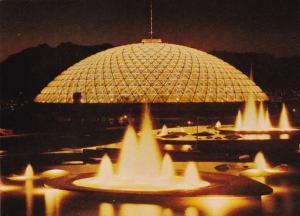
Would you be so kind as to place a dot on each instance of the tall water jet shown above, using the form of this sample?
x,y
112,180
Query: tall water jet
x,y
140,167
164,131
238,122
261,117
284,123
249,120
128,153
29,174
260,162
149,154
218,125
253,118
167,170
191,176
105,170
29,177
268,120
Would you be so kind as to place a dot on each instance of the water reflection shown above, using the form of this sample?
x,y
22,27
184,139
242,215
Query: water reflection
x,y
280,204
131,209
167,212
221,205
191,211
140,210
53,201
106,209
281,201
208,206
29,196
7,188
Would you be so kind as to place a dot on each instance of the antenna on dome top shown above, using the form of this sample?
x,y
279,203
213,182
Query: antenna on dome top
x,y
151,20
151,39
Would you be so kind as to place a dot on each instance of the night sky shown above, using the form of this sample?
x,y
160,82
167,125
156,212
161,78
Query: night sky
x,y
269,26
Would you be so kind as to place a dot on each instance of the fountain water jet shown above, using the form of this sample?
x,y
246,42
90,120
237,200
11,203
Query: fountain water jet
x,y
164,131
262,168
257,120
238,121
128,153
28,175
167,172
192,178
268,123
260,162
253,119
284,123
141,168
105,170
249,117
142,171
149,156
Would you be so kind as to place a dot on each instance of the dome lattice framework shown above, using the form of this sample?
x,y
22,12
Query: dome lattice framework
x,y
151,72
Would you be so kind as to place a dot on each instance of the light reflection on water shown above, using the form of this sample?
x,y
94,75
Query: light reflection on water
x,y
53,201
224,205
60,203
191,211
29,196
282,200
132,209
209,206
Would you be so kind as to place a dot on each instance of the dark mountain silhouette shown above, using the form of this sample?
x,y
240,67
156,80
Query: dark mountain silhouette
x,y
269,72
24,74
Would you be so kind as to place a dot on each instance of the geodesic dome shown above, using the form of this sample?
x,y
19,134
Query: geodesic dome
x,y
151,72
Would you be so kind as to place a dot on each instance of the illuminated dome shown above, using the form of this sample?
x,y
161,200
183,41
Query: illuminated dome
x,y
150,72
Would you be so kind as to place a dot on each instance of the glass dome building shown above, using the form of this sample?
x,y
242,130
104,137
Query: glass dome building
x,y
150,72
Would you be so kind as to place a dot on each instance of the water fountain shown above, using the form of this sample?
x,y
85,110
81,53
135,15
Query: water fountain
x,y
255,123
257,119
141,170
164,131
28,175
262,168
252,125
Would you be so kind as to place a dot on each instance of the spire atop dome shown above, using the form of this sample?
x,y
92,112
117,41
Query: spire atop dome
x,y
151,20
151,39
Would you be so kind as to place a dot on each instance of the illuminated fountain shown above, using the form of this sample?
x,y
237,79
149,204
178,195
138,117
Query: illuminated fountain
x,y
28,175
141,168
29,179
218,125
262,168
251,125
253,119
284,123
257,119
164,131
